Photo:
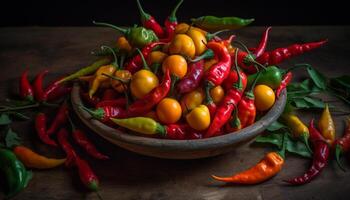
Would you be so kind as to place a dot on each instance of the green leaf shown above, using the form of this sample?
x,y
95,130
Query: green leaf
x,y
319,79
16,103
275,126
19,115
342,80
300,103
4,119
12,139
314,103
297,147
307,102
274,138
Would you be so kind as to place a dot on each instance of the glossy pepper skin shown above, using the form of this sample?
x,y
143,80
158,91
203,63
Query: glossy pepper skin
x,y
271,77
219,23
170,23
60,92
38,86
135,63
320,157
25,89
233,79
280,54
62,137
87,175
268,167
33,160
119,102
40,126
143,125
326,125
145,104
60,119
342,145
137,36
228,104
149,22
192,78
16,175
287,78
105,113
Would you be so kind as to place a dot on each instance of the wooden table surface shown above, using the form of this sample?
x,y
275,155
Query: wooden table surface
x,y
131,176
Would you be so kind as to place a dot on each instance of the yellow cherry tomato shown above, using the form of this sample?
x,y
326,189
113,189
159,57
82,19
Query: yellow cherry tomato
x,y
156,57
264,97
199,40
217,94
142,82
192,100
125,75
209,63
199,118
182,44
183,28
123,44
169,110
176,64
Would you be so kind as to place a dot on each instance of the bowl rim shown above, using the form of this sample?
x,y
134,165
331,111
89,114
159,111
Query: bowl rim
x,y
228,139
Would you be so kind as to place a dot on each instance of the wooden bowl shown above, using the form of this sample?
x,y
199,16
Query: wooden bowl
x,y
178,149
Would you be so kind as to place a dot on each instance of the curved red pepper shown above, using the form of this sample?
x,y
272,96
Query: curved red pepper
x,y
170,24
342,145
60,119
320,157
149,22
280,54
91,101
144,105
59,92
287,78
62,137
192,78
135,63
104,113
120,102
233,78
25,89
109,94
38,86
87,175
262,45
40,126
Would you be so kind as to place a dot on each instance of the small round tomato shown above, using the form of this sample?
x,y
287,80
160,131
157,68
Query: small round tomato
x,y
182,44
199,118
169,110
142,82
123,75
176,64
264,97
183,28
217,94
209,63
192,100
156,57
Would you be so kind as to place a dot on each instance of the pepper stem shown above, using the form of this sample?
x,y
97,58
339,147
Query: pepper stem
x,y
115,63
155,67
250,58
145,65
304,138
250,93
235,122
97,114
123,30
174,79
122,59
116,78
282,152
338,151
208,86
172,16
239,84
207,54
144,16
210,36
6,109
302,65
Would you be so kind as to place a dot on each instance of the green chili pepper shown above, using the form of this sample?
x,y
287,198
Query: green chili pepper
x,y
142,125
16,174
218,23
87,70
271,77
137,36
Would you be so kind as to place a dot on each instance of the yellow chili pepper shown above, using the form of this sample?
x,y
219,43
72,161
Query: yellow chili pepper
x,y
298,128
124,75
33,160
142,125
182,44
199,118
99,77
199,40
123,44
326,125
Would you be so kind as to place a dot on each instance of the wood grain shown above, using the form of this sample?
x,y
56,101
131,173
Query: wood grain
x,y
131,176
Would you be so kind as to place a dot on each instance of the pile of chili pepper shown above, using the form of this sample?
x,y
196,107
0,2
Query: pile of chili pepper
x,y
175,81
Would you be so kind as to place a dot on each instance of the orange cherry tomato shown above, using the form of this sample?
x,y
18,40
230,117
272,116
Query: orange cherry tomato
x,y
169,110
142,82
191,100
217,94
182,44
176,64
264,97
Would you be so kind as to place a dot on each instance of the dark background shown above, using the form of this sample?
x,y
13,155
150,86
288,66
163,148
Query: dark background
x,y
81,13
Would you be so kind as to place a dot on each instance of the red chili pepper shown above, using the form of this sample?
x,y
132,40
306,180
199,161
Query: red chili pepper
x,y
25,89
52,88
120,102
87,175
233,78
58,93
106,112
342,145
40,126
80,138
60,119
280,54
262,45
109,94
320,157
135,63
149,22
62,137
170,24
192,78
144,105
287,78
176,131
38,86
91,101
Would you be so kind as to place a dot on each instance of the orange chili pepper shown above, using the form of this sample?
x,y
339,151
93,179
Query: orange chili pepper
x,y
326,125
33,160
